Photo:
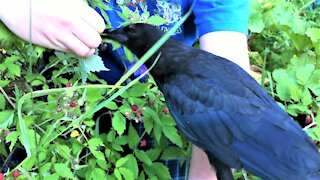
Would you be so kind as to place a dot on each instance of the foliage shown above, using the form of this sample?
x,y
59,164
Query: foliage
x,y
47,99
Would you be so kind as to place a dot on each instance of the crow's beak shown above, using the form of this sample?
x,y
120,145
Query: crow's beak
x,y
114,34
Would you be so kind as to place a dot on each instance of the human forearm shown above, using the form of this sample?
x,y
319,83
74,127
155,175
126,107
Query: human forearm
x,y
227,44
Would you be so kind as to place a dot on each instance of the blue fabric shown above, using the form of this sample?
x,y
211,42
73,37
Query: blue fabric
x,y
208,16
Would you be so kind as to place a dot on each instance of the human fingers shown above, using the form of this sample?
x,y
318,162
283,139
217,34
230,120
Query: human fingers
x,y
91,17
86,34
75,45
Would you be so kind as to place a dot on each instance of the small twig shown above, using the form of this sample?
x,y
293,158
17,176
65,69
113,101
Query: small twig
x,y
7,97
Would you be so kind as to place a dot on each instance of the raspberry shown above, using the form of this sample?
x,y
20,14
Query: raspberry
x,y
134,107
165,111
1,176
73,104
16,174
68,85
143,143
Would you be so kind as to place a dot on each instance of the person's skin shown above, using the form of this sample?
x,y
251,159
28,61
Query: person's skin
x,y
65,25
233,46
72,26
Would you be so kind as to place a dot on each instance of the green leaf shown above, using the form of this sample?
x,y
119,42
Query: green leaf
x,y
161,171
256,23
306,97
112,105
98,173
12,137
117,174
93,63
148,123
94,146
14,69
119,122
4,83
2,102
171,133
129,54
127,173
170,153
138,89
157,132
133,137
143,156
6,118
120,162
154,154
313,34
63,170
29,162
6,34
131,164
63,150
150,112
303,73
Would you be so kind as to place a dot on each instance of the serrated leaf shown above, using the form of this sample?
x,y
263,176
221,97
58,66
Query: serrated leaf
x,y
6,118
148,123
133,137
306,97
14,69
4,83
313,34
117,174
63,170
120,162
94,146
98,173
256,23
138,89
2,102
143,156
161,171
154,153
157,132
303,73
112,105
171,133
93,63
126,173
12,137
119,122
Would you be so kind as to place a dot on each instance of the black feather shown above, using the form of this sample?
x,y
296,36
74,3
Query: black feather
x,y
224,111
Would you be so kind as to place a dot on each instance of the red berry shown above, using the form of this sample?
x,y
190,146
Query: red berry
x,y
165,111
68,85
73,104
16,174
1,176
134,107
143,143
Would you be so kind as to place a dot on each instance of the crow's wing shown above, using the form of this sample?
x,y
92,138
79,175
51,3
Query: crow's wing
x,y
223,110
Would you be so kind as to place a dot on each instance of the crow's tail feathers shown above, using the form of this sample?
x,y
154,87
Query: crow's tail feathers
x,y
223,171
315,176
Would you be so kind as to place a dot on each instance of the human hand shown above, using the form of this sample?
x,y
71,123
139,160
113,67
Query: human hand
x,y
65,25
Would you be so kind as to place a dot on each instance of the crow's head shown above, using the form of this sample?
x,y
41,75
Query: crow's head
x,y
137,37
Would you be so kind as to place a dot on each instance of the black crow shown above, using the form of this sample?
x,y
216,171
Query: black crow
x,y
224,111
